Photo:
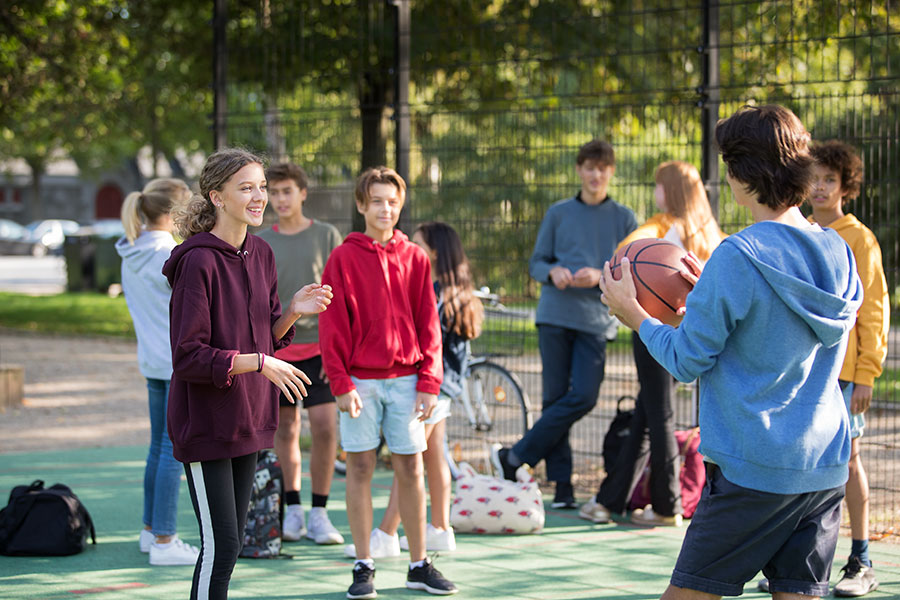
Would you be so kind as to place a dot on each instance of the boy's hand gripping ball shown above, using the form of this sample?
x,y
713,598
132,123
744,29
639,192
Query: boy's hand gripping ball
x,y
656,269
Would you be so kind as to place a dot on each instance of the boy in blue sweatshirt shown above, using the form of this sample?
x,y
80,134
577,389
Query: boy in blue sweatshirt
x,y
764,331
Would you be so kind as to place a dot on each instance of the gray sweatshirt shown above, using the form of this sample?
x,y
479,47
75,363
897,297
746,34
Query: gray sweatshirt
x,y
147,294
574,235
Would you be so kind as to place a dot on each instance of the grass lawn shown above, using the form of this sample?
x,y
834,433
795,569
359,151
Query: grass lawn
x,y
83,313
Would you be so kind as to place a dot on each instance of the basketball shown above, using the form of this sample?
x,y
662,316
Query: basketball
x,y
655,268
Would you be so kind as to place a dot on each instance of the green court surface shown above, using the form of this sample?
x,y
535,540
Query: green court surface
x,y
570,559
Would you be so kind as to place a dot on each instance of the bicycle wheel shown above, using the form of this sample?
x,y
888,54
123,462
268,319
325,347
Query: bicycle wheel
x,y
492,409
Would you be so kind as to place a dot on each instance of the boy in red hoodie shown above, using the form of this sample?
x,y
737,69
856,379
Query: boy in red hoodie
x,y
381,347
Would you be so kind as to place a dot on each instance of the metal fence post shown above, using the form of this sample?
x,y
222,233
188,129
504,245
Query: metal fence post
x,y
401,100
220,70
709,102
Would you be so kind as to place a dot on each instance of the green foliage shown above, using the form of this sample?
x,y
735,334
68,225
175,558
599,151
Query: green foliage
x,y
69,313
97,80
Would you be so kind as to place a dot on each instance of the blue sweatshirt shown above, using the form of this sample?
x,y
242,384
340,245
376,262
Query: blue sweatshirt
x,y
765,333
574,235
147,294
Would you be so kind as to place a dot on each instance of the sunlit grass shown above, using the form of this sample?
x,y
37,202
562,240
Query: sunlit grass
x,y
82,313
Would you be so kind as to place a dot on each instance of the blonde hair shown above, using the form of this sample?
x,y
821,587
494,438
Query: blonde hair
x,y
199,214
378,175
156,200
686,200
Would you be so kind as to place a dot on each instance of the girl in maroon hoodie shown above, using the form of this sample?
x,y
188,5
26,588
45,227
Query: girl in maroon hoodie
x,y
225,324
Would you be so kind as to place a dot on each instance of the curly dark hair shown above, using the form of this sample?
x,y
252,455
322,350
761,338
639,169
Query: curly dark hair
x,y
842,158
767,149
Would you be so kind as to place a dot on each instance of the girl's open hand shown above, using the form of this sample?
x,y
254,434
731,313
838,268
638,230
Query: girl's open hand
x,y
289,379
311,299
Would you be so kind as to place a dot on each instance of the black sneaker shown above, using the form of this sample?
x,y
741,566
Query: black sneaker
x,y
429,579
499,456
564,497
858,579
363,583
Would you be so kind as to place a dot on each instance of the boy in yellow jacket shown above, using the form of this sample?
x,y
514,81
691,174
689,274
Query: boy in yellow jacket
x,y
837,176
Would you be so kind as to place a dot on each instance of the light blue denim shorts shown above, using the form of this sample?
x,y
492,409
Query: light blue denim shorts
x,y
388,407
857,422
441,410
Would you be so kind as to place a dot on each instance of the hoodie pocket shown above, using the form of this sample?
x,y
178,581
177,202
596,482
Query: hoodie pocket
x,y
378,346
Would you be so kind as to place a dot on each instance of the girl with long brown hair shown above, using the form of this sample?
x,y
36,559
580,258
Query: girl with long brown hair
x,y
685,219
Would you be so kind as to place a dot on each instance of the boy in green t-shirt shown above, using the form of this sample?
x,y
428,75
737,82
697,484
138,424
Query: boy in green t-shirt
x,y
301,246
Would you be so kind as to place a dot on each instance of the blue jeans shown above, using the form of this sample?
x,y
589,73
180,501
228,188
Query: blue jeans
x,y
573,366
162,474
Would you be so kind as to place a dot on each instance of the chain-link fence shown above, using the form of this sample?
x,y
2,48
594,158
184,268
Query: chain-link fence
x,y
503,94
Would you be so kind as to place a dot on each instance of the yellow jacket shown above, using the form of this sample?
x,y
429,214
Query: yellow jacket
x,y
655,227
867,346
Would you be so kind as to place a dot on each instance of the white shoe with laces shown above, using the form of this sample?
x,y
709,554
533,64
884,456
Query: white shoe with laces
x,y
381,545
436,540
294,526
174,553
145,540
320,530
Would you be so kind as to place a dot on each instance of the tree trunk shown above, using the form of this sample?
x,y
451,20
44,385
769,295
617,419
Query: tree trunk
x,y
275,143
374,97
38,166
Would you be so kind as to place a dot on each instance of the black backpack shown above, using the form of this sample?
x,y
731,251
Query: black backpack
x,y
616,434
44,522
262,534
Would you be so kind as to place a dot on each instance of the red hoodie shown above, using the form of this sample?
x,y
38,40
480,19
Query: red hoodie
x,y
382,322
224,303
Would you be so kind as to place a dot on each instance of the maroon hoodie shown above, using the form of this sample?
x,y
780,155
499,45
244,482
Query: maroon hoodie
x,y
382,321
224,303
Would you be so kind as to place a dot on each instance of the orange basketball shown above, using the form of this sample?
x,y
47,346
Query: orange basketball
x,y
655,268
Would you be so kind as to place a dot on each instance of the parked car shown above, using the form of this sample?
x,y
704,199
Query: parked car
x,y
104,228
14,238
48,235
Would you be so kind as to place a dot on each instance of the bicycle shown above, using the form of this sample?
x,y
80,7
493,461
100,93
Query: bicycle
x,y
492,408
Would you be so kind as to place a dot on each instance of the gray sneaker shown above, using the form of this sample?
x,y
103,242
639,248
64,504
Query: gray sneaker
x,y
363,587
858,580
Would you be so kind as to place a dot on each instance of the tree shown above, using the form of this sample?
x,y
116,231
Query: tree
x,y
96,81
56,56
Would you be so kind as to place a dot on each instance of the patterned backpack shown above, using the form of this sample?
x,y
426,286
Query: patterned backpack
x,y
262,535
485,504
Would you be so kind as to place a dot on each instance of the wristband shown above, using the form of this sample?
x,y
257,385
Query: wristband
x,y
261,361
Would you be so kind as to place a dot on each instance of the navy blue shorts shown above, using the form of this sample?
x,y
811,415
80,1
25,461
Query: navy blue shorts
x,y
736,532
319,392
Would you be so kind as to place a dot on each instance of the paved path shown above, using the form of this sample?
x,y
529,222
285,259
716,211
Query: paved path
x,y
79,392
30,275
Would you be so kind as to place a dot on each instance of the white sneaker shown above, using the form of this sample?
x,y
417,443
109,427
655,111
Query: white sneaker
x,y
320,529
145,540
381,545
646,516
436,540
174,553
594,511
294,526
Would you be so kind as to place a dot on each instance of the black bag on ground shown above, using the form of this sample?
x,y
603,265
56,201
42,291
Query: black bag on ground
x,y
44,522
262,535
617,432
